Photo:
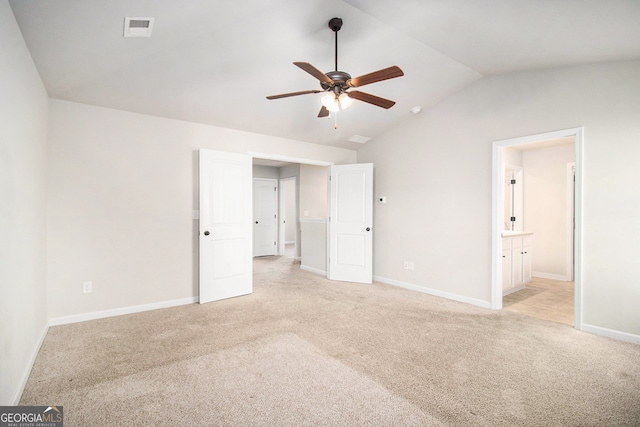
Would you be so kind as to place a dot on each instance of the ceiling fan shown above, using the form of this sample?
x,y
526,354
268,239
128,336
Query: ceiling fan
x,y
338,84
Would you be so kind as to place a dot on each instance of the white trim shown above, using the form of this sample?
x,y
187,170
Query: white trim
x,y
434,292
610,333
579,207
497,212
32,360
289,159
120,311
569,221
559,277
313,270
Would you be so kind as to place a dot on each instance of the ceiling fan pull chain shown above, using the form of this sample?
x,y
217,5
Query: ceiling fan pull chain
x,y
335,123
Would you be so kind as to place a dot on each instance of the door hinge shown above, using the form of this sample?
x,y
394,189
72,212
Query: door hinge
x,y
513,181
513,219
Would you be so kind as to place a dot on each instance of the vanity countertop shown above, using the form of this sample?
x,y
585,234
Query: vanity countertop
x,y
510,233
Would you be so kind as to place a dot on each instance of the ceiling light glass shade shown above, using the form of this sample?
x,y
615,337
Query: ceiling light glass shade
x,y
336,103
345,101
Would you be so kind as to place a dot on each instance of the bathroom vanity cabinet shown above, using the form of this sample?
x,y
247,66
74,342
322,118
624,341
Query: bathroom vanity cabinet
x,y
516,260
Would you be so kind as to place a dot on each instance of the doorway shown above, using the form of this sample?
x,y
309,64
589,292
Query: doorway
x,y
303,194
572,255
288,217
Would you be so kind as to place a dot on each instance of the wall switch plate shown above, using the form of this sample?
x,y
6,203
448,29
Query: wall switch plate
x,y
87,287
196,214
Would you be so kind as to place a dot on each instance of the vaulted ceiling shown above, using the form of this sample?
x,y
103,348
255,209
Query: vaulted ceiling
x,y
215,61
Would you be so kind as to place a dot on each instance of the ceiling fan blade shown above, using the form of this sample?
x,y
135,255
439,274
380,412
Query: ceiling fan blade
x,y
285,95
376,76
371,99
323,112
314,72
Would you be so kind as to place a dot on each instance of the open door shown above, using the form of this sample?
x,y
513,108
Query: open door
x,y
351,223
225,235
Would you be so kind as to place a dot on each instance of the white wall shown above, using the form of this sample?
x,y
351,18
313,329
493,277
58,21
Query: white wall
x,y
546,207
436,171
23,139
313,191
260,171
122,187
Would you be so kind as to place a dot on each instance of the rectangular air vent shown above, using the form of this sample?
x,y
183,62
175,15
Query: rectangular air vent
x,y
359,139
138,27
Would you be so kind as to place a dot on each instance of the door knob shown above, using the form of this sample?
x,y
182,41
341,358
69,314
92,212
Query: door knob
x,y
256,222
206,233
368,229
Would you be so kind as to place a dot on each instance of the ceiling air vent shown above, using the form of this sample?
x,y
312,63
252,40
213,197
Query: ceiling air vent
x,y
359,139
138,27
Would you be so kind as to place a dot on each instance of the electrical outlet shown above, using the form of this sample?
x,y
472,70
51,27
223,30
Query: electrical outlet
x,y
411,265
87,287
406,265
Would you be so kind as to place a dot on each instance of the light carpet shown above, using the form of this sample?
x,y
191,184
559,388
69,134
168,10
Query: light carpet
x,y
302,350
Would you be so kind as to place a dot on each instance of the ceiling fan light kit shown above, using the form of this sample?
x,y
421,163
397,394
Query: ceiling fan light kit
x,y
337,84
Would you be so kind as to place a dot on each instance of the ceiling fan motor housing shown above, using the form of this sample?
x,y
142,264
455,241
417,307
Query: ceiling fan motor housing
x,y
339,78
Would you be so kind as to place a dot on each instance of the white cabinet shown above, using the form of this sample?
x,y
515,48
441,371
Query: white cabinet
x,y
516,262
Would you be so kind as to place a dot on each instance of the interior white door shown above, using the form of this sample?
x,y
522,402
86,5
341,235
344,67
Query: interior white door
x,y
225,225
351,223
265,216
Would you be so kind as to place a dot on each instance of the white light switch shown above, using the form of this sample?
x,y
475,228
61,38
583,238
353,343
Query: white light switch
x,y
196,214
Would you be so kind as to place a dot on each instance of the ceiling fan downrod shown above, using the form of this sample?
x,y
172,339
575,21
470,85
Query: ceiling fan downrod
x,y
335,24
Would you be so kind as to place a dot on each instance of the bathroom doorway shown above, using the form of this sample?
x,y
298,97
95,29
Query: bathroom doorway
x,y
554,292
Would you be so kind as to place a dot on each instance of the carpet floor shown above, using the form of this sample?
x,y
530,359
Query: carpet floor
x,y
302,350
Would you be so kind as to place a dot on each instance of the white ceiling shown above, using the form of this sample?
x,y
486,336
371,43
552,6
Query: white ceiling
x,y
215,61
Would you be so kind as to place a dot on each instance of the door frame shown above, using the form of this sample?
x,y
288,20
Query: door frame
x,y
570,218
497,212
282,218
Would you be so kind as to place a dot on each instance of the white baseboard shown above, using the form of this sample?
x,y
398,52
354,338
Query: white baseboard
x,y
27,372
610,333
559,277
434,292
313,270
120,311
